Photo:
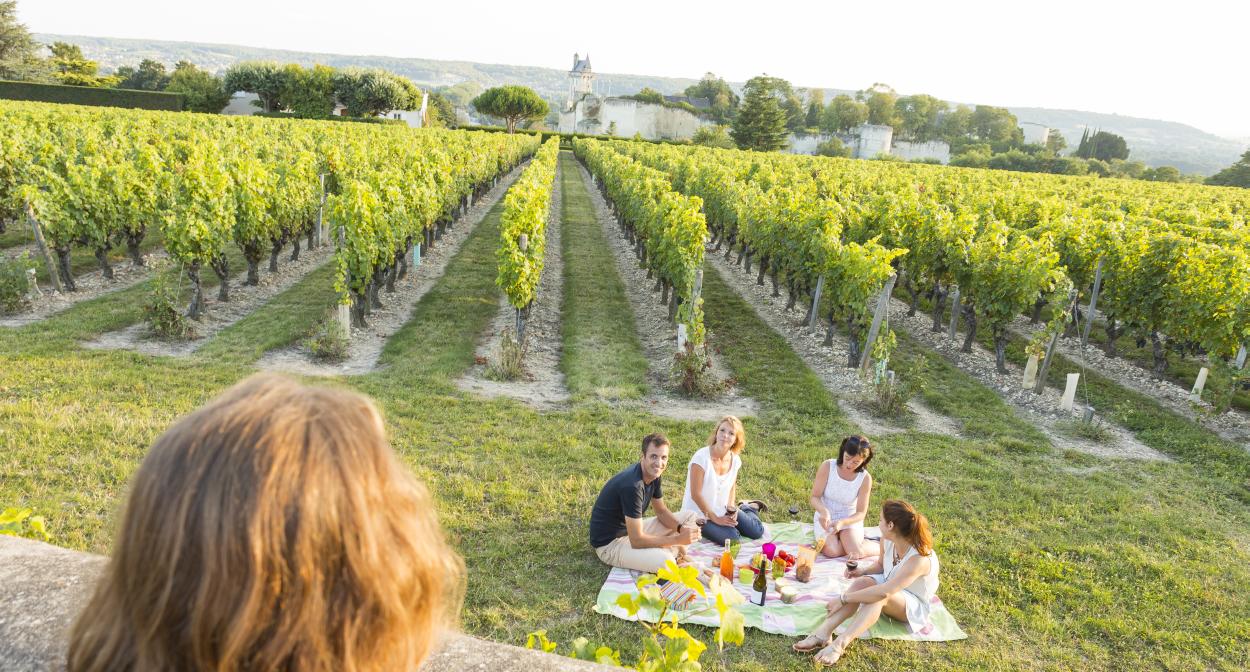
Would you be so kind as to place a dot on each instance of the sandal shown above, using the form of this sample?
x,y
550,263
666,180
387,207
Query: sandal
x,y
760,507
834,655
810,648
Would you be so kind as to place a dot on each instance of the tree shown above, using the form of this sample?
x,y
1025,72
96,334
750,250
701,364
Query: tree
x,y
880,100
649,95
149,76
712,136
918,117
722,97
955,126
997,126
1236,175
441,112
201,91
815,108
263,78
1162,174
372,92
307,92
514,104
1102,145
19,52
842,114
833,147
761,120
73,69
1055,141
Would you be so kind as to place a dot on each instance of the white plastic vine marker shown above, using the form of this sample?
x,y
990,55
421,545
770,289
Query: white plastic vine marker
x,y
344,316
1196,393
1030,372
416,255
681,338
820,286
1241,357
1069,392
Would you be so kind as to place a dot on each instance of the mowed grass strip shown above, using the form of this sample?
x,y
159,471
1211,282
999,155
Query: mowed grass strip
x,y
281,321
438,341
602,357
108,312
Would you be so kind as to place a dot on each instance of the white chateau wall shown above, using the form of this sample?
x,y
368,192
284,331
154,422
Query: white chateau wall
x,y
873,140
910,151
653,122
1034,134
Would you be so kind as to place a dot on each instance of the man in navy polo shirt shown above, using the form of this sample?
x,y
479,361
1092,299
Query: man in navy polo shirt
x,y
618,532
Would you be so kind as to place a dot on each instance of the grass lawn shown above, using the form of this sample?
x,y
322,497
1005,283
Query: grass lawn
x,y
1051,560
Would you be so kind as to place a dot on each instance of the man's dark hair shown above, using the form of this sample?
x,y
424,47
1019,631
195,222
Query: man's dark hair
x,y
654,439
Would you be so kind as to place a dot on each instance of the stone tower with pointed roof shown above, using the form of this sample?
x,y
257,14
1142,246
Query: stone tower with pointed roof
x,y
581,80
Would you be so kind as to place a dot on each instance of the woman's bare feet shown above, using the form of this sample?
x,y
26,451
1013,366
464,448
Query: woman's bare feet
x,y
809,644
831,654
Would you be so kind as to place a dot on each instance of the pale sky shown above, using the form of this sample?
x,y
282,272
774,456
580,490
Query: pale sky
x,y
1177,61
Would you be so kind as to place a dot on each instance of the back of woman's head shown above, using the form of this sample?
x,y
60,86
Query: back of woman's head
x,y
273,529
909,523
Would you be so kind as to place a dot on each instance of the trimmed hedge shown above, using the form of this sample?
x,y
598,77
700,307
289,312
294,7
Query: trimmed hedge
x,y
86,95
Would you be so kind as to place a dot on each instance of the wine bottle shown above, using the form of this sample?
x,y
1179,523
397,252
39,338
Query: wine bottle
x,y
727,563
759,588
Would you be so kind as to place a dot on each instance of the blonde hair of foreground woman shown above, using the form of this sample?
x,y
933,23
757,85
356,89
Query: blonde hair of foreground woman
x,y
273,529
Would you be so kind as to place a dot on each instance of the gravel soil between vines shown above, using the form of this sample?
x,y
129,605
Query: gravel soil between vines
x,y
543,387
367,343
1232,424
244,300
91,284
1042,410
658,335
828,362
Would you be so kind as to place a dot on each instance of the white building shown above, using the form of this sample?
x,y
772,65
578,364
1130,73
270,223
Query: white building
x,y
241,104
586,112
1034,134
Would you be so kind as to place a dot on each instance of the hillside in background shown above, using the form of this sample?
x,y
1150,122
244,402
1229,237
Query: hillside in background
x,y
1152,141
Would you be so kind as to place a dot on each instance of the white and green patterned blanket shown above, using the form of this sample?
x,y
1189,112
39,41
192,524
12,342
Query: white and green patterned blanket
x,y
777,617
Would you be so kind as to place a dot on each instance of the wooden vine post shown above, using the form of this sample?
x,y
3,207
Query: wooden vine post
x,y
321,209
883,307
814,313
954,313
53,275
1040,385
523,242
1093,303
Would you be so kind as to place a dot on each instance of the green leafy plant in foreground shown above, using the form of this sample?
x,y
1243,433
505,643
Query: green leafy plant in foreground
x,y
666,646
19,523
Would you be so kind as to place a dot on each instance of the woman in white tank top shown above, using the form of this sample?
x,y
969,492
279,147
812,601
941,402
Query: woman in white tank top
x,y
840,495
902,585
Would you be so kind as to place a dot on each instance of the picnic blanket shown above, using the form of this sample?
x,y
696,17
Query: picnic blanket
x,y
777,617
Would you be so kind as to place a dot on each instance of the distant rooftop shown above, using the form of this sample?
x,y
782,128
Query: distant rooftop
x,y
581,64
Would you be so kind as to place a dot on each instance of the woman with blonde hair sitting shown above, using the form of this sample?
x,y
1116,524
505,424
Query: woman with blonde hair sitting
x,y
273,529
902,585
712,486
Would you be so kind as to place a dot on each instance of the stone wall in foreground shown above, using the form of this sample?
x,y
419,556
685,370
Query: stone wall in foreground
x,y
42,588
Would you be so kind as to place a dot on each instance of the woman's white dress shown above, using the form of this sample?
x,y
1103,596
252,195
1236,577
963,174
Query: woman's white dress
x,y
920,594
840,497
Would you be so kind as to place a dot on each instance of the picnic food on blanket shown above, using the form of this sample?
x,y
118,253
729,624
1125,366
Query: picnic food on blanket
x,y
779,568
788,594
727,563
806,560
